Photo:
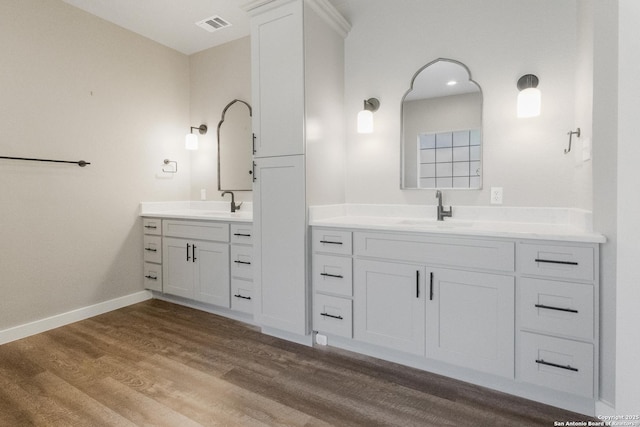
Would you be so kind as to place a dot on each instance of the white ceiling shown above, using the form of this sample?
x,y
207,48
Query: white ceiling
x,y
172,22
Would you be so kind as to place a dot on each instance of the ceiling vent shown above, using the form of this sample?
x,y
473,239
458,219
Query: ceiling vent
x,y
213,23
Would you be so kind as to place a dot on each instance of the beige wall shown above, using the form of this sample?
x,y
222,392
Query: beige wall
x,y
75,87
218,76
499,41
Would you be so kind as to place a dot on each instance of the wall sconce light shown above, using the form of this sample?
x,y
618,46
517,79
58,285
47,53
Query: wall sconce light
x,y
191,140
365,117
529,96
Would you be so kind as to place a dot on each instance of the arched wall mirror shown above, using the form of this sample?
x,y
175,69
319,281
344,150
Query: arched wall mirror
x,y
235,147
441,141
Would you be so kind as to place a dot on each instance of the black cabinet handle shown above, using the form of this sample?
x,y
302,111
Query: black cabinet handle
x,y
329,242
253,143
332,275
188,246
243,235
150,249
242,262
332,316
548,307
417,283
193,253
553,261
241,296
555,365
151,277
153,227
253,170
431,286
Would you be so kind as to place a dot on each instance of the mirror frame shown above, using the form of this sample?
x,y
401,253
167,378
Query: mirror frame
x,y
224,112
413,79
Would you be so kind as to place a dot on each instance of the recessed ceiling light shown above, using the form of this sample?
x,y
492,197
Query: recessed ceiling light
x,y
452,83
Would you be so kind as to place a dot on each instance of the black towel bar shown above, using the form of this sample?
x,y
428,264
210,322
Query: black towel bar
x,y
80,163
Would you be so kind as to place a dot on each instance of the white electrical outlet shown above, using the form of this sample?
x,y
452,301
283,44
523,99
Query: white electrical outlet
x,y
496,195
203,194
321,339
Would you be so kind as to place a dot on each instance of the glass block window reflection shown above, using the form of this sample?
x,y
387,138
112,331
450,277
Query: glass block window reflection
x,y
449,159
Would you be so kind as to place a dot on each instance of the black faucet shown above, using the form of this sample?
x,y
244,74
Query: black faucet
x,y
234,207
442,212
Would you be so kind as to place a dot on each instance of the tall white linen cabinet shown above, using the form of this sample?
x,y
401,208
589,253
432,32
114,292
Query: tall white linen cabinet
x,y
297,54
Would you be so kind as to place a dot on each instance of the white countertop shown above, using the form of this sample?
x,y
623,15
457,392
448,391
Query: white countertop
x,y
541,223
210,211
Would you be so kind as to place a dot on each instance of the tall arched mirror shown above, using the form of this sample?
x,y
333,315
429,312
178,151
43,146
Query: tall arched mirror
x,y
442,129
235,147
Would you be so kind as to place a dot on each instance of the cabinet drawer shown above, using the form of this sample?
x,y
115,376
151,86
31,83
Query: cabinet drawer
x,y
556,363
241,262
201,230
333,274
152,226
153,276
333,315
564,262
152,249
242,233
557,307
332,241
436,250
241,295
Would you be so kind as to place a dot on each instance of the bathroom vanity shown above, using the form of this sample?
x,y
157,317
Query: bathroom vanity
x,y
200,255
506,304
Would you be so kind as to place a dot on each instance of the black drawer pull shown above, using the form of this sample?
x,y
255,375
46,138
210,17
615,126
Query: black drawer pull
x,y
417,283
548,307
329,242
242,262
241,296
553,261
151,277
332,275
332,316
150,249
241,234
153,227
555,365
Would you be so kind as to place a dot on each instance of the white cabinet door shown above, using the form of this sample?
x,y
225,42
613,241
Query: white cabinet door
x,y
470,320
389,305
177,267
211,280
278,81
280,244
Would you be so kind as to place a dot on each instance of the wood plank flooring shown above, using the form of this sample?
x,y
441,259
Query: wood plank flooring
x,y
160,364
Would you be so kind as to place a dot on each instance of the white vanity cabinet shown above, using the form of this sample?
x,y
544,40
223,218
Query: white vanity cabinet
x,y
557,341
521,312
461,316
152,244
242,268
196,261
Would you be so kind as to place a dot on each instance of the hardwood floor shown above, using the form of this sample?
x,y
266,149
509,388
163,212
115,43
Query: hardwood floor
x,y
160,364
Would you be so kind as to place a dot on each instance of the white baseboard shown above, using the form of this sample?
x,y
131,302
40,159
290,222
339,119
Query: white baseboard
x,y
42,325
604,408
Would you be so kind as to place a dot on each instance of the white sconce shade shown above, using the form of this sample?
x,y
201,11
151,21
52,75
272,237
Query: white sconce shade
x,y
191,140
365,121
529,98
365,117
